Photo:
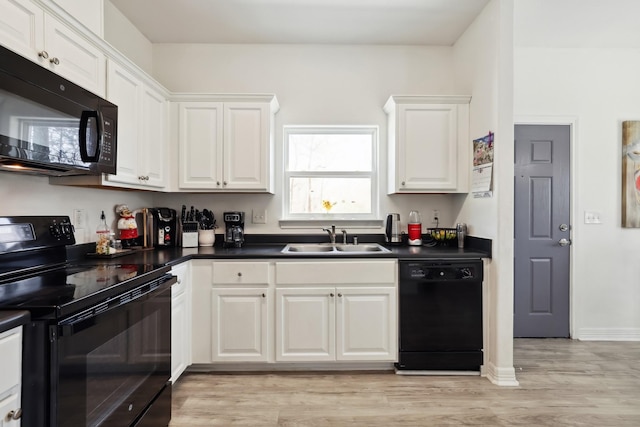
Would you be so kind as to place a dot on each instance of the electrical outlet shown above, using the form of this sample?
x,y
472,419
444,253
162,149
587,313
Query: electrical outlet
x,y
259,216
436,217
79,218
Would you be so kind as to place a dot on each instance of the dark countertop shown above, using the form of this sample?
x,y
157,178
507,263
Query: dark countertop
x,y
11,319
177,255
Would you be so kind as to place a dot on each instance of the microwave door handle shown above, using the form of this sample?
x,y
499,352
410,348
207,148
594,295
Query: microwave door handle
x,y
84,120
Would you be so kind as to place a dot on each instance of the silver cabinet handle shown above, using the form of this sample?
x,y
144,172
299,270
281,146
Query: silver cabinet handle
x,y
14,415
403,183
340,295
564,242
224,183
331,295
43,54
239,274
55,61
218,183
264,296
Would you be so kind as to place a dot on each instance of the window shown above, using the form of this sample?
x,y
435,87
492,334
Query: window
x,y
330,173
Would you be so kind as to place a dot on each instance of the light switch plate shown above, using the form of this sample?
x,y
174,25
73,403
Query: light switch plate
x,y
259,216
591,217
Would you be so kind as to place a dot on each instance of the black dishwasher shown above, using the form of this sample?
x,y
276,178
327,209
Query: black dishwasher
x,y
440,315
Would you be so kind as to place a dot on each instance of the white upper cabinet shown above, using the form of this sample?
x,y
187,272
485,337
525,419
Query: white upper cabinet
x,y
227,144
429,146
142,117
31,32
89,13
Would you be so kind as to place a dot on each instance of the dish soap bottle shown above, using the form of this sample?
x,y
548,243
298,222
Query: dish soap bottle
x,y
415,229
103,235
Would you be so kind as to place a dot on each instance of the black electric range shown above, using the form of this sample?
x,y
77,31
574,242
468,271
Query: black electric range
x,y
98,348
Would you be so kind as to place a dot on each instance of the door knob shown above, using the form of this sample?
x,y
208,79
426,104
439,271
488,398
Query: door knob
x,y
564,242
563,227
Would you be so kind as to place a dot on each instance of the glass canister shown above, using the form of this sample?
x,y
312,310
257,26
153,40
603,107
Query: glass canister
x,y
103,236
414,227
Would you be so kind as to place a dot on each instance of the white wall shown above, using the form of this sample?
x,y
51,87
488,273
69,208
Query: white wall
x,y
22,194
598,87
483,66
121,34
314,84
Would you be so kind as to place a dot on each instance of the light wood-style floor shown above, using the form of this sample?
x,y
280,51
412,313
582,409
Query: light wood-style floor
x,y
562,383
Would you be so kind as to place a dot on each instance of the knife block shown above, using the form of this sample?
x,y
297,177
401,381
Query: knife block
x,y
189,234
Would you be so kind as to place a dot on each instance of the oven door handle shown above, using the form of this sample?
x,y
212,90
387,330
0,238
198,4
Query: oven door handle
x,y
85,320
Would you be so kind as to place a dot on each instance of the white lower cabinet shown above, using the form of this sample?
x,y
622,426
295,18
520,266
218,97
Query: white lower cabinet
x,y
240,325
294,311
180,321
11,378
319,321
325,324
232,311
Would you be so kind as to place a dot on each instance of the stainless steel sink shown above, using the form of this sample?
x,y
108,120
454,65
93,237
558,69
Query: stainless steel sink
x,y
304,248
337,249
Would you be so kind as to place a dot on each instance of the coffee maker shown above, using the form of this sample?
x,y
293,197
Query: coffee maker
x,y
165,227
234,229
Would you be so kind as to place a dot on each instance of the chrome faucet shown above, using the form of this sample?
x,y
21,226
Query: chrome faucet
x,y
332,233
344,237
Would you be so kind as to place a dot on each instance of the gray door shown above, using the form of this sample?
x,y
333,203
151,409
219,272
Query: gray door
x,y
542,231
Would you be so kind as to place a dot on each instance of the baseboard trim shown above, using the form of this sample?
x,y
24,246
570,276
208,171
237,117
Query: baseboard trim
x,y
608,334
283,367
504,377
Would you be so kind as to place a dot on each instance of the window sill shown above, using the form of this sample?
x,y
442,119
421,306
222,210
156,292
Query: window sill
x,y
323,223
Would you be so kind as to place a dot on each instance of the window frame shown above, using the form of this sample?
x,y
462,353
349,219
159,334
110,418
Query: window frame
x,y
364,219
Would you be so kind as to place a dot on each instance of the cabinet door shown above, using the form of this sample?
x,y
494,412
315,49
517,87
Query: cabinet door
x,y
201,277
178,336
77,59
366,324
7,405
240,319
180,321
200,149
152,149
305,324
246,146
427,146
125,90
21,27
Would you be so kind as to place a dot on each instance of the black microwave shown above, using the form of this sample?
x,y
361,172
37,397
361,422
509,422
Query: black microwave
x,y
51,126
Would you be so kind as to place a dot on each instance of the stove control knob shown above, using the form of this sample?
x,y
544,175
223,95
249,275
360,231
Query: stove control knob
x,y
67,229
55,230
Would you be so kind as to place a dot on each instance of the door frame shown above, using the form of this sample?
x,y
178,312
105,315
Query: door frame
x,y
572,122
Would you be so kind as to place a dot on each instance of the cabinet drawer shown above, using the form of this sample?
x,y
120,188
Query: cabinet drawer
x,y
10,358
336,273
241,273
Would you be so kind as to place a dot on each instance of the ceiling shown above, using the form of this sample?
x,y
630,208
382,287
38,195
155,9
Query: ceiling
x,y
389,22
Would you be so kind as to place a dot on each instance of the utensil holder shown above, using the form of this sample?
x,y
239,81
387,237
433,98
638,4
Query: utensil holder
x,y
206,237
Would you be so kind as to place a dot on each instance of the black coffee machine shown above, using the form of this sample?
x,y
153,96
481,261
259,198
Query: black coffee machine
x,y
165,227
234,229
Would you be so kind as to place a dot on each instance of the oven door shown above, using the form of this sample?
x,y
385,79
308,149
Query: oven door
x,y
114,360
